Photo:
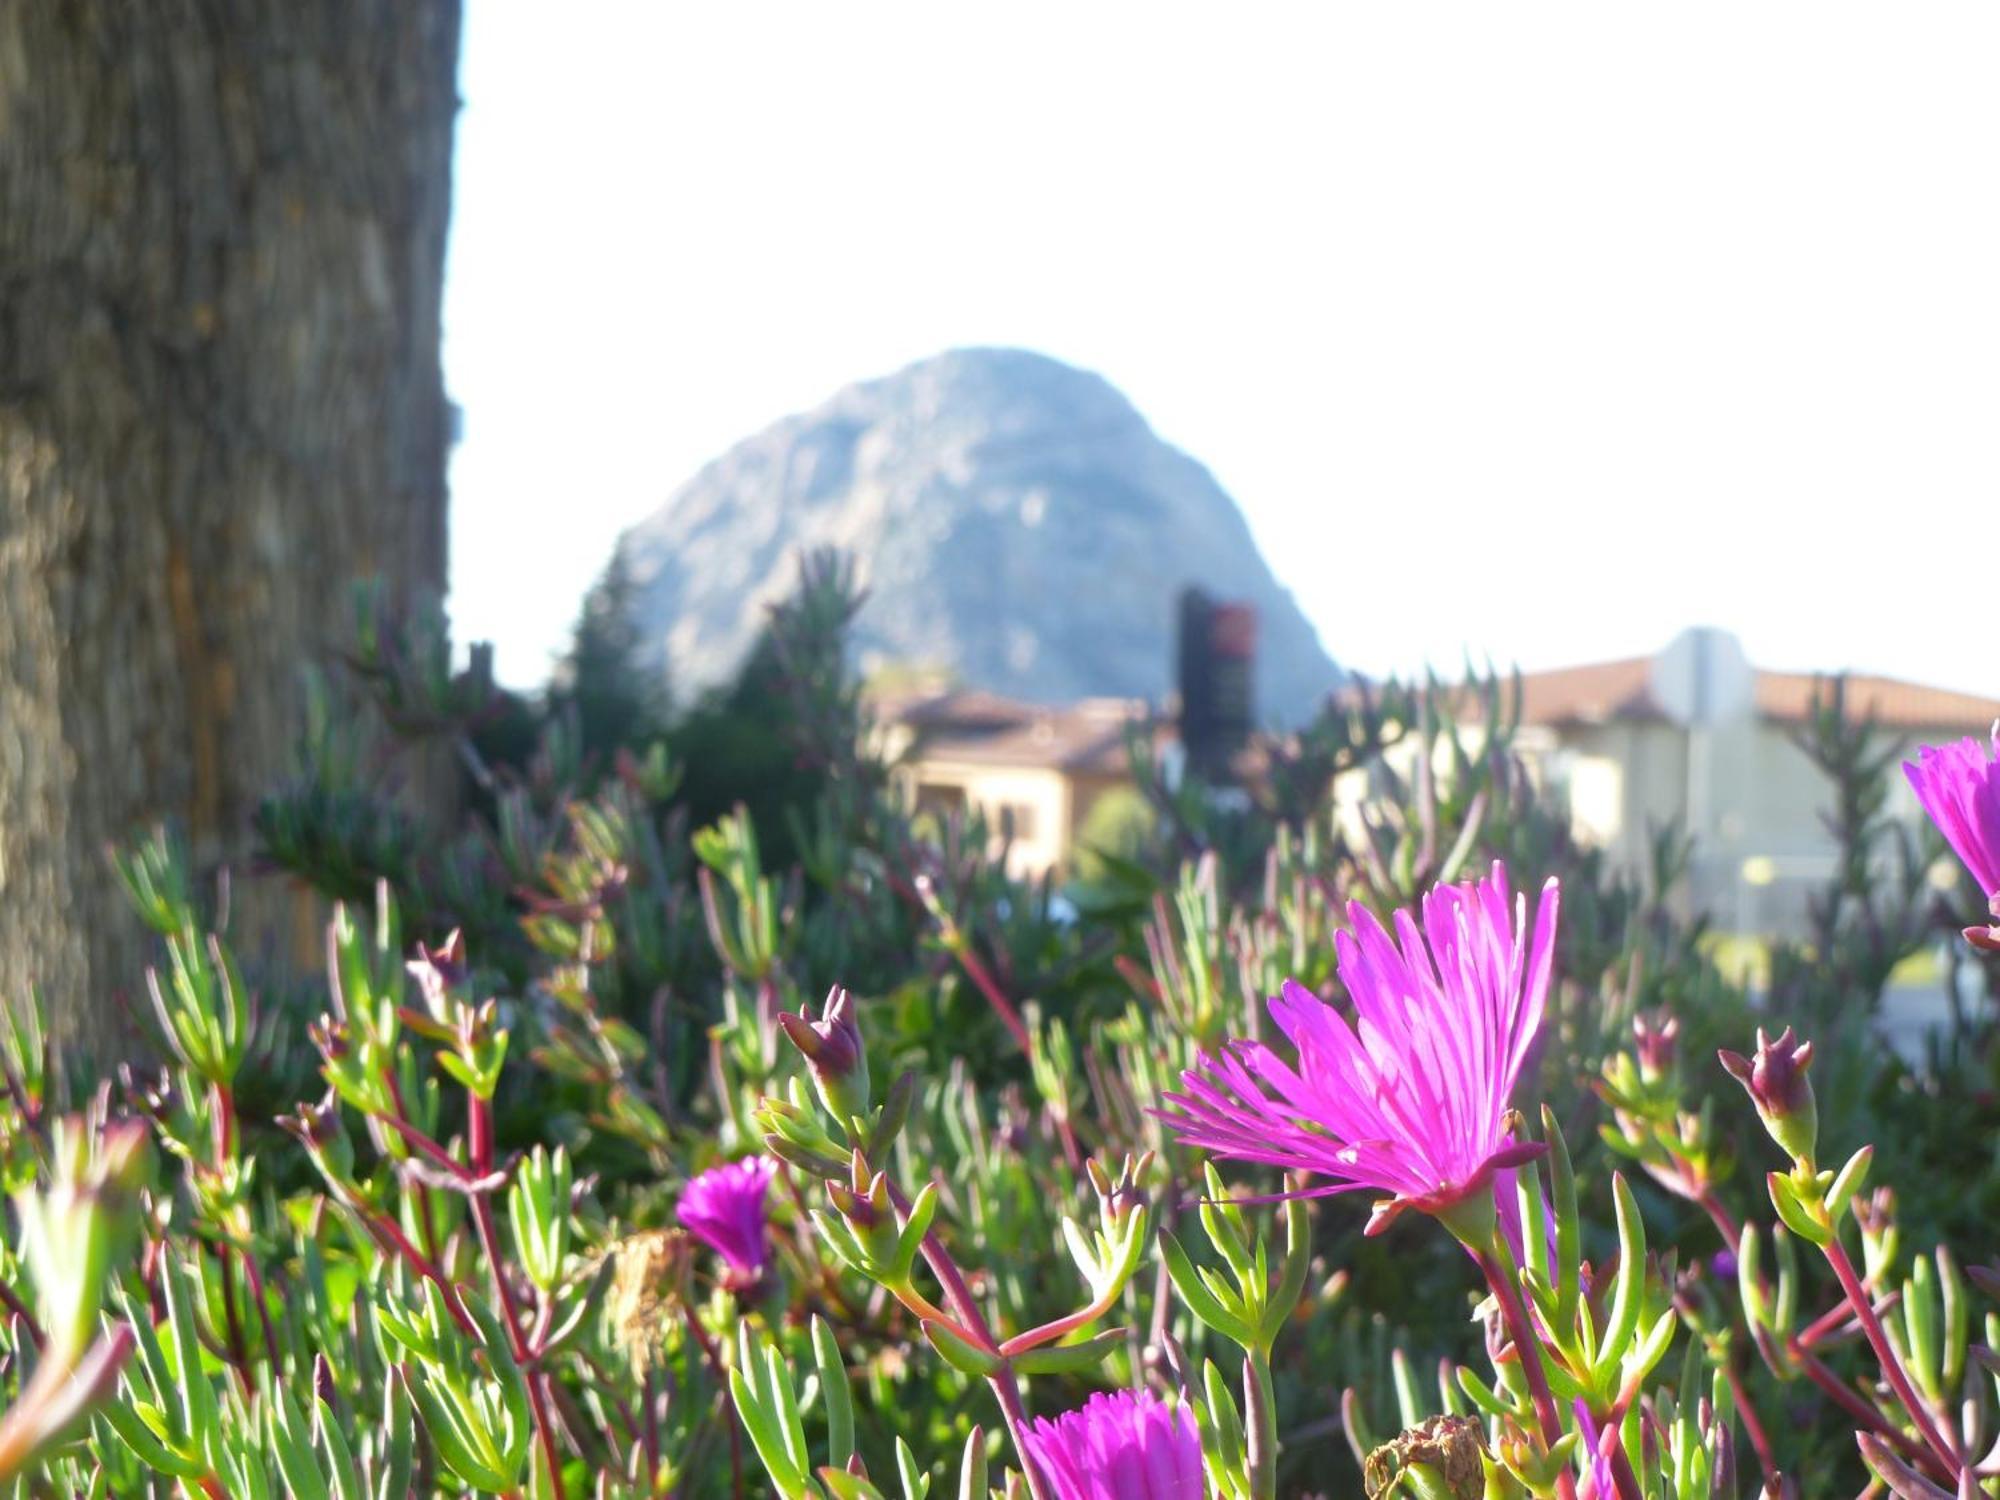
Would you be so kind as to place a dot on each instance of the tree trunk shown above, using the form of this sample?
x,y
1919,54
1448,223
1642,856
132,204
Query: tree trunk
x,y
222,228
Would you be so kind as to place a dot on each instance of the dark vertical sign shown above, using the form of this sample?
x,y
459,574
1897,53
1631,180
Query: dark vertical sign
x,y
1217,652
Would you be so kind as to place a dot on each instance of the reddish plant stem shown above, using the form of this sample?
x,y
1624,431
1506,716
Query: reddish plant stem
x,y
254,1283
649,1413
981,976
1005,1390
1528,1349
1057,1328
1760,1441
1862,1411
223,1123
1611,1448
1726,1226
426,1147
223,1141
1800,1347
400,1119
1885,1354
390,1235
1070,1148
1825,1325
479,1145
607,1388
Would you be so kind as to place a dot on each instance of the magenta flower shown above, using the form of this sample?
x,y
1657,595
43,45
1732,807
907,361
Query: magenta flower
x,y
1412,1101
724,1209
1959,786
1128,1445
1601,1481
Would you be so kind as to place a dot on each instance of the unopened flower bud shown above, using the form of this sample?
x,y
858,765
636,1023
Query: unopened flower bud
x,y
438,972
834,1051
854,1207
1529,1463
330,1036
1778,1086
871,1229
317,1127
1118,1198
1875,1212
1655,1035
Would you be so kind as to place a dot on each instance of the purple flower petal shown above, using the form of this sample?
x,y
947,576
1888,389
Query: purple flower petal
x,y
724,1209
1410,1099
1125,1445
1959,786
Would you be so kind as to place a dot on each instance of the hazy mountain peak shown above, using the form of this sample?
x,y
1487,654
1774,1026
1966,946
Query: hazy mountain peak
x,y
1016,522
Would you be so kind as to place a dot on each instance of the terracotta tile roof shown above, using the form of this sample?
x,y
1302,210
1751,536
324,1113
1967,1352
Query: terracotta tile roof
x,y
1590,695
954,708
1623,690
1087,737
1903,705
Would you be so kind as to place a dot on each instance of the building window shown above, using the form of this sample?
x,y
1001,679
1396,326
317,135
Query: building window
x,y
941,802
1596,786
1017,820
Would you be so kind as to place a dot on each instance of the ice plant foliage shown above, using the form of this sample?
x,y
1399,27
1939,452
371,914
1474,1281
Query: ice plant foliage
x,y
434,1316
1127,1445
1959,786
1411,1100
724,1209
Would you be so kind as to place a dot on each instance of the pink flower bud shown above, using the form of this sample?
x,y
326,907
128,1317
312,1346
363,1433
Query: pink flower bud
x,y
1655,1036
835,1052
1778,1086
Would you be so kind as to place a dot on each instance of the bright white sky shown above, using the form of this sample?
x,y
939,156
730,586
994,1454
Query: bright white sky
x,y
1538,330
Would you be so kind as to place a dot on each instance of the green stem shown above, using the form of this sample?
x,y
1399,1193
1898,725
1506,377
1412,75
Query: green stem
x,y
1263,1435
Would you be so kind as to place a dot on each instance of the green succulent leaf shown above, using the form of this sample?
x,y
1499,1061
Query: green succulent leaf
x,y
1070,1359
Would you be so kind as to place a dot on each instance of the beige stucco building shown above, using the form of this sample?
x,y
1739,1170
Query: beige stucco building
x,y
1694,737
1613,739
1034,772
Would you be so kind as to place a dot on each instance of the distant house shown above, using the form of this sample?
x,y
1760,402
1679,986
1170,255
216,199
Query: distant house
x,y
1699,737
1693,736
1035,772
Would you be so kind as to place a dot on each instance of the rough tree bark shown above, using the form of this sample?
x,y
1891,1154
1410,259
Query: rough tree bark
x,y
222,228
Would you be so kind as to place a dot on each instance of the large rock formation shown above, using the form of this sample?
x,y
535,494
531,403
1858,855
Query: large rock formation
x,y
1016,522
